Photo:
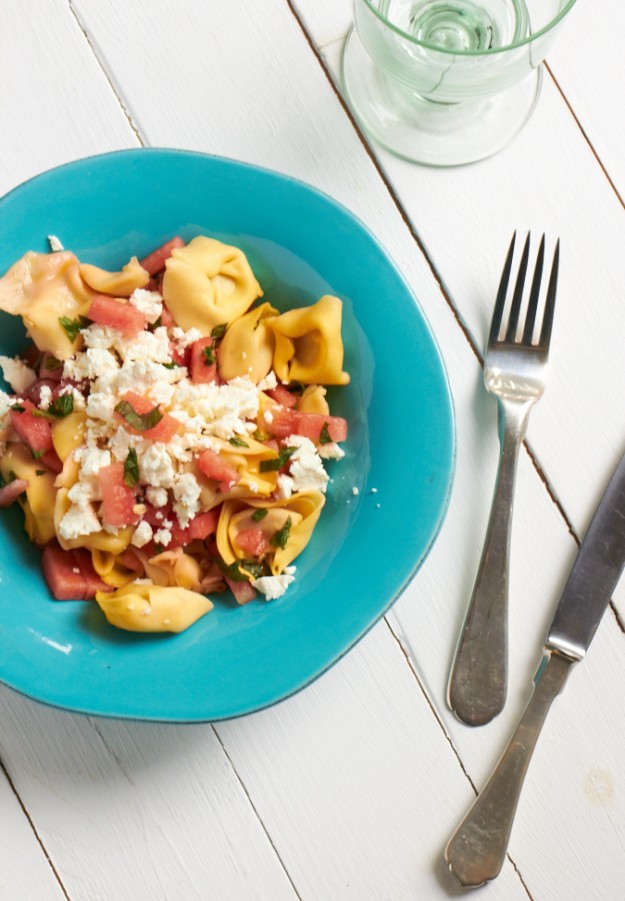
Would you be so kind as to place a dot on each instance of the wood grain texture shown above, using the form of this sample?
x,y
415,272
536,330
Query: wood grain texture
x,y
351,788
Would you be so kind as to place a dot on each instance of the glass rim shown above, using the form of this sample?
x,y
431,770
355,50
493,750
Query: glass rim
x,y
470,53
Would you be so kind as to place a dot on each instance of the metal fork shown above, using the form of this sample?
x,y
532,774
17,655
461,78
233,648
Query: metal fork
x,y
515,372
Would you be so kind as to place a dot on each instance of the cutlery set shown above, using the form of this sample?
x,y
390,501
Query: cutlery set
x,y
515,370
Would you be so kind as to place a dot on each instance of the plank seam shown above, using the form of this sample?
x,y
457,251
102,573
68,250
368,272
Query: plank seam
x,y
255,809
450,741
584,134
133,125
34,829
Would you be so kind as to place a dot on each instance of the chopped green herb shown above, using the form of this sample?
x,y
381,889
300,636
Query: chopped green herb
x,y
255,569
62,406
142,422
40,472
209,355
280,538
158,323
73,326
273,465
51,364
219,331
18,408
259,435
260,514
37,454
131,468
159,548
324,435
237,442
171,365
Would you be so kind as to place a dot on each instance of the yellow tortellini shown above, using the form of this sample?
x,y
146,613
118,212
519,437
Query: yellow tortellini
x,y
68,433
292,520
39,504
309,346
111,569
175,567
112,542
313,400
208,283
43,288
248,345
117,284
152,608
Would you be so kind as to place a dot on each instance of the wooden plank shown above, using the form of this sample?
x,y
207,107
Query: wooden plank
x,y
465,216
591,73
58,101
25,872
322,149
136,810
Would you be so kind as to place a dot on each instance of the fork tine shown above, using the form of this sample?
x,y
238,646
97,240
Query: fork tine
x,y
515,307
550,302
500,302
530,320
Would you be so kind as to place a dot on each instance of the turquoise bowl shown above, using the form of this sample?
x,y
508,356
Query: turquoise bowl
x,y
387,497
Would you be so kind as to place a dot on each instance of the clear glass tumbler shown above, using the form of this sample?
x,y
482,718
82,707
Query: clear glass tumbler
x,y
446,82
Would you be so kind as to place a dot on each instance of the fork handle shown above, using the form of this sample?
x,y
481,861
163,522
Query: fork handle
x,y
477,850
479,677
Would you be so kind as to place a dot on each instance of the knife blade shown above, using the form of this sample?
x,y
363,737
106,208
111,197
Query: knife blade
x,y
477,849
595,574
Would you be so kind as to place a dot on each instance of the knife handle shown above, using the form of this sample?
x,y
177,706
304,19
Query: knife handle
x,y
476,851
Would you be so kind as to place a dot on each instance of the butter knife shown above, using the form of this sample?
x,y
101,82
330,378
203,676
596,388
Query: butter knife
x,y
476,851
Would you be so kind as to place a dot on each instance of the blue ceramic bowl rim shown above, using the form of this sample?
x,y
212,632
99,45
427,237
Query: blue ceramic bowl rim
x,y
336,208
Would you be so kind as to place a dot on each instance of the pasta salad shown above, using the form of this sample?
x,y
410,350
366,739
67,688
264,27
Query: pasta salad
x,y
167,429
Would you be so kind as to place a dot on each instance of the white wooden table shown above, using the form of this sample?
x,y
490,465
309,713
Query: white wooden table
x,y
350,789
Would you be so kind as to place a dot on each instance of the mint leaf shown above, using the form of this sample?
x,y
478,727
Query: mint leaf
x,y
260,514
280,538
274,465
219,331
237,442
324,435
131,468
142,422
73,326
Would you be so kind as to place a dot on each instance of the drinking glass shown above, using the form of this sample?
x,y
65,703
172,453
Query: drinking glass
x,y
446,82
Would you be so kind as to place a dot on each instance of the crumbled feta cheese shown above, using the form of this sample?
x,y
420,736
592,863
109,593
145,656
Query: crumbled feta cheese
x,y
331,451
163,536
79,521
93,363
150,303
45,397
269,382
17,373
184,339
306,468
55,244
187,494
156,467
156,496
273,586
92,460
284,487
142,534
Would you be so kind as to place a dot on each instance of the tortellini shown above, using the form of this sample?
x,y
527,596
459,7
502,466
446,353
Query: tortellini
x,y
291,521
116,284
68,433
152,608
207,284
309,347
43,289
38,506
248,345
